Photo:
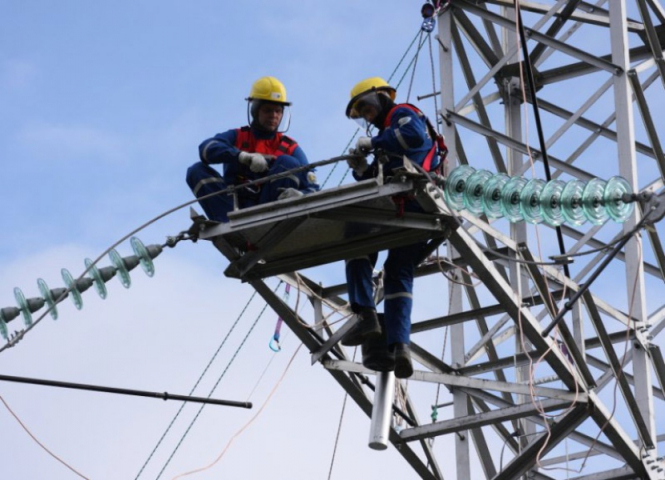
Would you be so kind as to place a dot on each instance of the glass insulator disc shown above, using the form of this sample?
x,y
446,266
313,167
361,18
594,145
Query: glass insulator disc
x,y
144,257
48,298
571,202
455,185
617,208
23,305
550,203
473,192
119,264
73,290
593,201
530,200
93,271
510,199
492,195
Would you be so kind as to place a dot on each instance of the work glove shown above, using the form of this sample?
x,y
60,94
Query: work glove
x,y
290,193
363,144
255,161
357,163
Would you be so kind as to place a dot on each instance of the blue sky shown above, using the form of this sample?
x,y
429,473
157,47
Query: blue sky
x,y
104,105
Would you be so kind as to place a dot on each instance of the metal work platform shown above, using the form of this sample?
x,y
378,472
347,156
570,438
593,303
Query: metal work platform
x,y
324,227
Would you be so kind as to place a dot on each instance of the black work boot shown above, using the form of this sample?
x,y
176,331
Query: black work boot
x,y
403,367
376,355
367,327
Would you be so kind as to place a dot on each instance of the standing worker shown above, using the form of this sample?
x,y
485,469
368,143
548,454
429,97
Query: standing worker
x,y
403,130
250,153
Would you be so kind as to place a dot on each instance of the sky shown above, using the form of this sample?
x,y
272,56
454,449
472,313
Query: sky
x,y
104,105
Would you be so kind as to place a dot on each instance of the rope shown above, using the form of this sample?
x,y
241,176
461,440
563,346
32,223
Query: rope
x,y
405,54
413,70
37,441
339,429
196,384
214,387
339,426
237,434
409,65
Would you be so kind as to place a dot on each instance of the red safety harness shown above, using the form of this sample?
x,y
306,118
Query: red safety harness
x,y
438,144
280,144
438,147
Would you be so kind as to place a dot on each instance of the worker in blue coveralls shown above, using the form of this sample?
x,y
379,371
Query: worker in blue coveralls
x,y
252,152
403,130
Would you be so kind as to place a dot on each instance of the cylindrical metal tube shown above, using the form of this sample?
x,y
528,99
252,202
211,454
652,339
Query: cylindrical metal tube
x,y
384,394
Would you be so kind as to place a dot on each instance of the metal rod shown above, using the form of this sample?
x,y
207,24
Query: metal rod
x,y
379,434
569,304
124,391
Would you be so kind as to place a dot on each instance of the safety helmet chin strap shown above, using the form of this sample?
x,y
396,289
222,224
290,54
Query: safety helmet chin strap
x,y
386,105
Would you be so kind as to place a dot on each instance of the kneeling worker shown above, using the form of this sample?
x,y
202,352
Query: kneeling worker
x,y
250,153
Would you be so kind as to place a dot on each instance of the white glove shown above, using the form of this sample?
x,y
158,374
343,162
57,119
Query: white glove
x,y
290,193
364,144
255,161
358,163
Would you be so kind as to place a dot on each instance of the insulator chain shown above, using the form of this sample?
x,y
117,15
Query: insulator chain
x,y
535,201
75,287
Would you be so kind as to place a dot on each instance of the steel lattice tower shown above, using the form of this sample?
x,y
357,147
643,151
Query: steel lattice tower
x,y
522,400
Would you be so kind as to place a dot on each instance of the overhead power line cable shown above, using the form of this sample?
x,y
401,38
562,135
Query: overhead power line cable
x,y
251,420
171,244
205,370
212,390
539,127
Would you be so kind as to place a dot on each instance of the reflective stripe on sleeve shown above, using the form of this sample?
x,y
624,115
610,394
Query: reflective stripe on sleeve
x,y
204,154
205,181
400,139
292,177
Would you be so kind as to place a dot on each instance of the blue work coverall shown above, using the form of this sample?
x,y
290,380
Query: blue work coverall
x,y
220,149
406,134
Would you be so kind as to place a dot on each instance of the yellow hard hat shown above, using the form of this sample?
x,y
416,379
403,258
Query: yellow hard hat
x,y
372,84
269,89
